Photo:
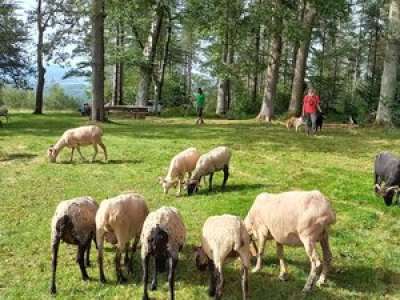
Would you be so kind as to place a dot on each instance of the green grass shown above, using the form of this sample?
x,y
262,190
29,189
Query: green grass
x,y
365,240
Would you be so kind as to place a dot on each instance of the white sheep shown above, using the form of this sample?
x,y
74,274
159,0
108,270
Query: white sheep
x,y
74,223
77,137
293,219
182,163
119,220
163,237
216,160
222,237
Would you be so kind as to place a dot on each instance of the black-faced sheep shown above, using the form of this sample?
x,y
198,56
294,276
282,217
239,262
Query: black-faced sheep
x,y
182,163
163,237
222,237
387,176
293,219
74,223
77,137
216,160
120,220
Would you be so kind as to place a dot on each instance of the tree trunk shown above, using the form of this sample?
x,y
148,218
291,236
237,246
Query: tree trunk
x,y
271,81
149,53
41,71
272,74
389,77
117,96
164,63
256,65
223,82
98,60
301,61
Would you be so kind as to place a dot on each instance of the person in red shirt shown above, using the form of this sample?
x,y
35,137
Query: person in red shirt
x,y
310,110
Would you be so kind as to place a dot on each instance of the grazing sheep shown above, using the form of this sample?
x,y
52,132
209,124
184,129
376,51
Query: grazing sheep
x,y
294,122
182,163
163,237
119,220
222,237
213,161
387,176
293,219
77,137
74,223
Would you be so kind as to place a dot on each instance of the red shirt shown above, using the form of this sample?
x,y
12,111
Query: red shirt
x,y
310,104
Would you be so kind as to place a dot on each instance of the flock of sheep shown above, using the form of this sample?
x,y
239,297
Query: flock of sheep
x,y
299,218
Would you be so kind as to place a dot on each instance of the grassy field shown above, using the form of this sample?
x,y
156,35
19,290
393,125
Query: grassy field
x,y
365,240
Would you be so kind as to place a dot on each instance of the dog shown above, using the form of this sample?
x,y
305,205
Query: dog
x,y
294,122
320,121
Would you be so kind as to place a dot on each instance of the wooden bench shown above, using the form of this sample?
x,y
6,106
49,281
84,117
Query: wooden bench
x,y
136,112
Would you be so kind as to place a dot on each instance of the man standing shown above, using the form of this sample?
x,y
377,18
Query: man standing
x,y
200,102
310,110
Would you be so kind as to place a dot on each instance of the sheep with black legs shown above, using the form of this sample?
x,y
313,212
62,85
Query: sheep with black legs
x,y
182,163
216,160
163,237
73,223
222,237
293,219
77,137
119,220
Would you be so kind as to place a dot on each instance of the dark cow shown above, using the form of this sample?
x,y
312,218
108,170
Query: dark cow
x,y
387,176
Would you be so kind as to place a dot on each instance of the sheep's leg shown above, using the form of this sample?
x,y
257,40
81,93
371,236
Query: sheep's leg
x,y
210,182
283,275
245,259
54,254
260,252
80,153
128,259
88,246
219,282
327,258
103,147
315,263
145,264
226,176
118,270
153,286
81,261
95,152
178,193
100,254
212,286
173,262
72,154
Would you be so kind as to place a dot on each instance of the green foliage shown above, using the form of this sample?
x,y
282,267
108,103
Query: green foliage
x,y
56,99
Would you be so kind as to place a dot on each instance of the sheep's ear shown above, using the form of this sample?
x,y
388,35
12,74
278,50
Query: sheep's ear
x,y
196,248
160,180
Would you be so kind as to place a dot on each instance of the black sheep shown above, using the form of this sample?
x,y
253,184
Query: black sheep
x,y
387,176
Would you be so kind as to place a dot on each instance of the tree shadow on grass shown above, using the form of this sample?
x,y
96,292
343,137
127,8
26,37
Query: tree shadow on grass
x,y
18,156
231,188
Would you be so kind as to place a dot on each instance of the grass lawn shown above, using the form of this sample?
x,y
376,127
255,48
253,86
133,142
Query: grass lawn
x,y
365,240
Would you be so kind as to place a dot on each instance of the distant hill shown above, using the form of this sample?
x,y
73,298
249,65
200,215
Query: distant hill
x,y
74,86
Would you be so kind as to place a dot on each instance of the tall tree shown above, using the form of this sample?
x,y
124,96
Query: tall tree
x,y
149,54
118,80
271,81
98,16
14,63
301,59
391,64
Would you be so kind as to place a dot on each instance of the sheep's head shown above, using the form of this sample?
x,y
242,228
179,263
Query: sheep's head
x,y
249,227
158,241
192,187
386,192
201,258
167,184
52,154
